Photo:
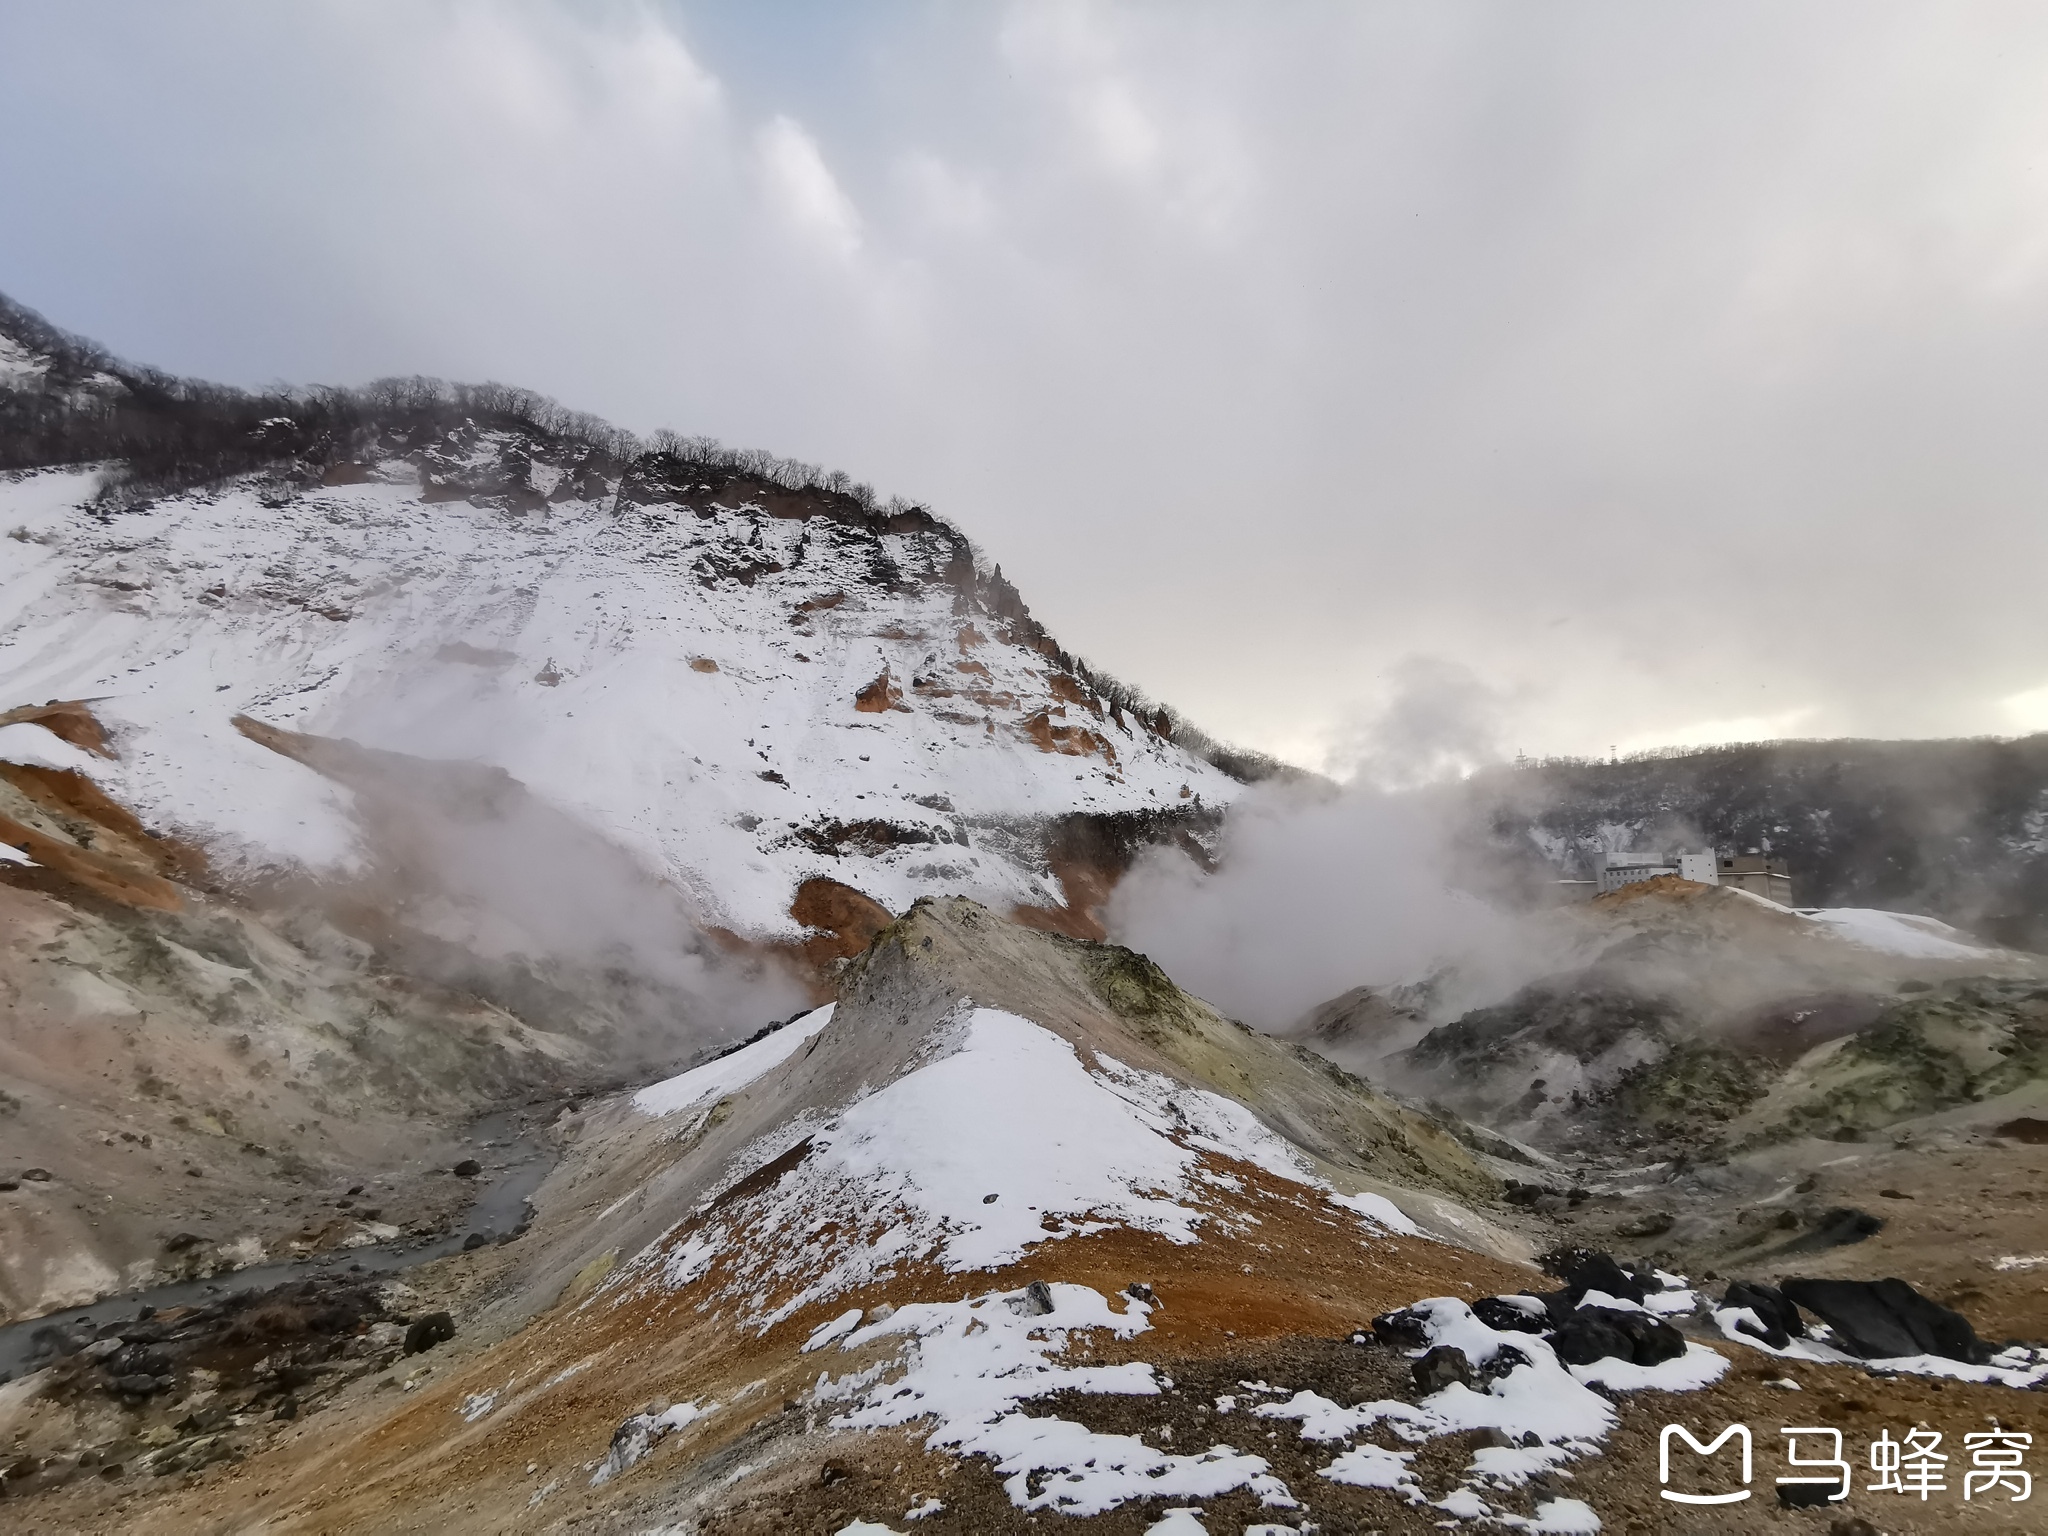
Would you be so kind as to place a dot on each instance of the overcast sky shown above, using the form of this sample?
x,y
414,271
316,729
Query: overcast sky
x,y
1608,374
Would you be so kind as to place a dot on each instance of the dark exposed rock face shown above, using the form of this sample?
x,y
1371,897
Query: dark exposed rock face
x,y
1888,1319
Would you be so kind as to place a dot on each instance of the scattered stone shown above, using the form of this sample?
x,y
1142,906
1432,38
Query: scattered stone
x,y
1036,1301
833,1471
1138,1290
1851,1525
474,1241
1440,1367
468,1168
36,1175
59,1339
1652,1224
1837,1228
426,1332
178,1242
1894,1194
2026,1128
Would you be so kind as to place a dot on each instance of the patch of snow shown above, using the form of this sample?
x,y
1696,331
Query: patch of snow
x,y
35,746
968,1366
1566,1517
1372,1466
478,1404
928,1507
2014,1261
9,854
867,1528
1697,1367
1899,933
1178,1522
730,1073
1379,1210
832,1332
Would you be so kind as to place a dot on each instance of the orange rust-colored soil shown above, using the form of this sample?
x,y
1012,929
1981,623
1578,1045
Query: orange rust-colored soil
x,y
845,920
879,696
103,848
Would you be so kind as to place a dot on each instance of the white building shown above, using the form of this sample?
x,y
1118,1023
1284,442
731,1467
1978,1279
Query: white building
x,y
1611,871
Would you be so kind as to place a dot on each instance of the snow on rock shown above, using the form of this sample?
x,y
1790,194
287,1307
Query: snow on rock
x,y
967,1368
2020,1366
1899,933
1379,1210
687,677
733,1071
641,1433
1547,1409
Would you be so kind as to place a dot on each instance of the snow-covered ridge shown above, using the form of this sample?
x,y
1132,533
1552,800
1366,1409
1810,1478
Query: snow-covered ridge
x,y
739,690
1001,1141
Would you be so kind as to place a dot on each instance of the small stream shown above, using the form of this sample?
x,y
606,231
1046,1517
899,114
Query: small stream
x,y
500,1206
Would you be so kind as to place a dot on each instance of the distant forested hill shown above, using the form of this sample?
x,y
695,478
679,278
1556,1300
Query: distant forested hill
x,y
1954,829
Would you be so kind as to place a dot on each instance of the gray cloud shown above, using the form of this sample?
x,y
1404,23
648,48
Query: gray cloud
x,y
1674,371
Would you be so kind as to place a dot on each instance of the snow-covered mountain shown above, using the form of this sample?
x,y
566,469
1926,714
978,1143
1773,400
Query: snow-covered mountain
x,y
743,677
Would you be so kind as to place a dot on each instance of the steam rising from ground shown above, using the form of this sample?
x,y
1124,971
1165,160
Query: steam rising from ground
x,y
1319,890
478,881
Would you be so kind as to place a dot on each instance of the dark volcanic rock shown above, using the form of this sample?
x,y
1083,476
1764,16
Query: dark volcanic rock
x,y
1780,1319
1402,1329
1584,1269
1501,1313
1839,1227
424,1334
1600,1333
1442,1366
1887,1319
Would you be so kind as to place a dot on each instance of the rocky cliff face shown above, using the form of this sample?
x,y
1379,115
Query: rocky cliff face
x,y
741,673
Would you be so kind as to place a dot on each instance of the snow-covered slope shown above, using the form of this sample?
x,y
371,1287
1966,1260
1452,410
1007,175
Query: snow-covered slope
x,y
742,686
